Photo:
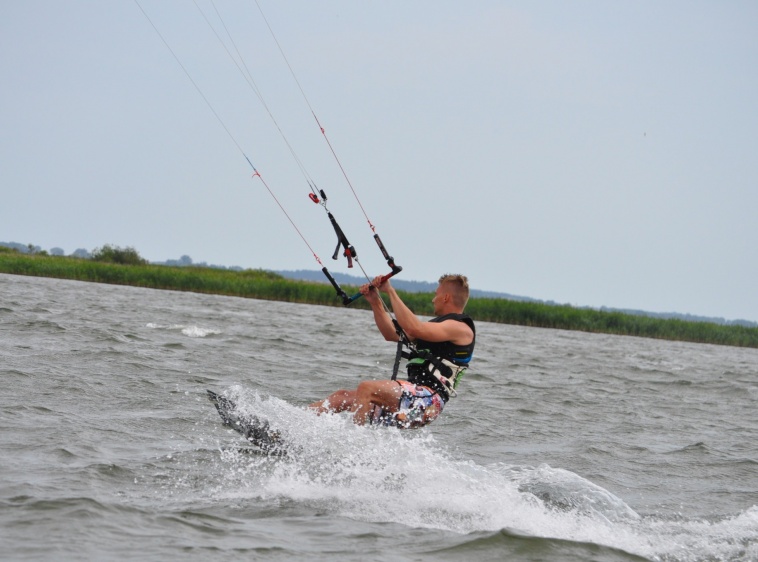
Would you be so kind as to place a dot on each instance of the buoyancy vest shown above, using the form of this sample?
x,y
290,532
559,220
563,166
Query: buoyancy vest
x,y
440,365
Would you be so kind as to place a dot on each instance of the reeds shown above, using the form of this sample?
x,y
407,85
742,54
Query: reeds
x,y
260,284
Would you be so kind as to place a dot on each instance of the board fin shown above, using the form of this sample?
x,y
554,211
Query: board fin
x,y
256,431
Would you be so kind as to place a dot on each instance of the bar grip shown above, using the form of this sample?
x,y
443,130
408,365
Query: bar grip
x,y
349,300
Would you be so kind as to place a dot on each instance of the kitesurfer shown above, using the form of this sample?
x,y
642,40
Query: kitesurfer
x,y
443,347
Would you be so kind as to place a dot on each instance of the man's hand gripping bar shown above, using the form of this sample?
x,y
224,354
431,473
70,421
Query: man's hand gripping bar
x,y
390,262
346,300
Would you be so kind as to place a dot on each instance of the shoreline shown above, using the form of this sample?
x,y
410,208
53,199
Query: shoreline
x,y
266,285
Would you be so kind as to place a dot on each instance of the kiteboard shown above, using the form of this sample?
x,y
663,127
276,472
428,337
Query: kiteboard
x,y
253,429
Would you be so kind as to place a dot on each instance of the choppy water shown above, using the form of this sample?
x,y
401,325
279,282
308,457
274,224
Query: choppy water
x,y
562,445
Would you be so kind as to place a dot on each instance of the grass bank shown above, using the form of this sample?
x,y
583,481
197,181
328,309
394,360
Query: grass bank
x,y
266,285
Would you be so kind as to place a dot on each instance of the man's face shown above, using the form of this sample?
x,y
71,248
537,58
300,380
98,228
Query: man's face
x,y
439,299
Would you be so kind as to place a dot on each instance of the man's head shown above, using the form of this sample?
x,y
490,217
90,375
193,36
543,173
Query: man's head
x,y
451,295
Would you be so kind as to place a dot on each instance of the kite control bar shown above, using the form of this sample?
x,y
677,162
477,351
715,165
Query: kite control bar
x,y
349,252
346,300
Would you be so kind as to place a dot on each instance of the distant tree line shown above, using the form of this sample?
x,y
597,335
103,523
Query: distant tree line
x,y
111,254
32,249
186,261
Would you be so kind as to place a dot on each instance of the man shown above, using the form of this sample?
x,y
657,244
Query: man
x,y
444,346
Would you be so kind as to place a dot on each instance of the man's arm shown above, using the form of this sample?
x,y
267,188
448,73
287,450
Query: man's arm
x,y
381,317
449,330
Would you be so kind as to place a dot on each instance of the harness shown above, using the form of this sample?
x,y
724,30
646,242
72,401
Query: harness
x,y
437,365
441,375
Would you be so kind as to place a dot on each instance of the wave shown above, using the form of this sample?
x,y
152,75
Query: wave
x,y
190,331
507,544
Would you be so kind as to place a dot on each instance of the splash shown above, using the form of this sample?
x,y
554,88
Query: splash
x,y
387,475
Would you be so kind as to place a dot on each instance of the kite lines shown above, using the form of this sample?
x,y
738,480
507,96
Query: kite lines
x,y
316,195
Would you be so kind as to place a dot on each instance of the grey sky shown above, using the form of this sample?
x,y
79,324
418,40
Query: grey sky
x,y
593,153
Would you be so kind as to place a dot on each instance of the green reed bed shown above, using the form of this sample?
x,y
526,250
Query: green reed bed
x,y
266,285
249,283
590,320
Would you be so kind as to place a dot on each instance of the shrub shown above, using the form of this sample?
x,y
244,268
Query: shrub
x,y
114,254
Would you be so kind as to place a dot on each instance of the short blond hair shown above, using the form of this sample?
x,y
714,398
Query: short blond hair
x,y
458,288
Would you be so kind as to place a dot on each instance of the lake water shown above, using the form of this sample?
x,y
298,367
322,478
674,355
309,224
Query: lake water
x,y
560,445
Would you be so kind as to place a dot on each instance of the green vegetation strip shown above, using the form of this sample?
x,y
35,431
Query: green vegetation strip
x,y
260,284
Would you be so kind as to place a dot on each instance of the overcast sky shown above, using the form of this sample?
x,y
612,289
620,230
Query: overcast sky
x,y
592,153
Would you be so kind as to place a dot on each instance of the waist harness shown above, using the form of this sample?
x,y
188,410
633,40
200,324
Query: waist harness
x,y
439,374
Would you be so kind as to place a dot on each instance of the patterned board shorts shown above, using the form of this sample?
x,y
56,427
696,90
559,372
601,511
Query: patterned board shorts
x,y
419,405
